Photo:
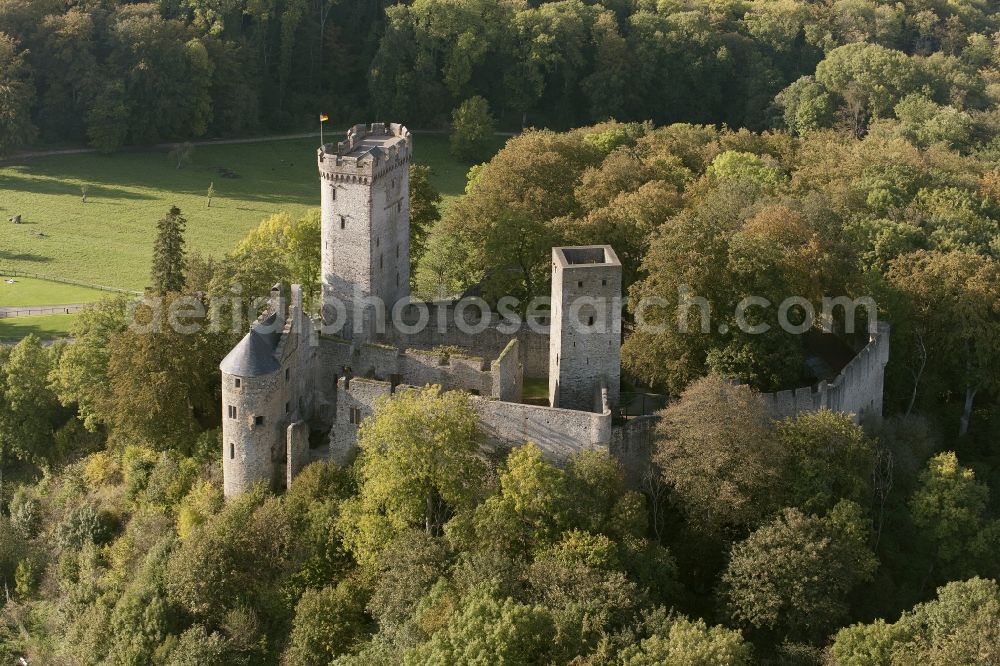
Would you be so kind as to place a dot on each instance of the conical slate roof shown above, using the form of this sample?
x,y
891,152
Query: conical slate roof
x,y
252,357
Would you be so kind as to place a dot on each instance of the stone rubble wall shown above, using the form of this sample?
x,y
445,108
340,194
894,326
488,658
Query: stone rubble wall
x,y
411,366
443,329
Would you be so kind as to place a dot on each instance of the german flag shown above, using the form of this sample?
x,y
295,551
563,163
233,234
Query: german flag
x,y
323,117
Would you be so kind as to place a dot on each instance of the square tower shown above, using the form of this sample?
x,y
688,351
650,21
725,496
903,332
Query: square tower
x,y
586,333
365,189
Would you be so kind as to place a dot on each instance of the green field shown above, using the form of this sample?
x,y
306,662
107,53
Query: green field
x,y
45,327
108,240
28,291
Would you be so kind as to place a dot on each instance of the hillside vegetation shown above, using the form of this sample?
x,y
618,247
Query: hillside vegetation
x,y
768,148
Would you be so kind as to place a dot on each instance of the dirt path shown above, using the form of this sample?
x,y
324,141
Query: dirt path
x,y
33,154
22,156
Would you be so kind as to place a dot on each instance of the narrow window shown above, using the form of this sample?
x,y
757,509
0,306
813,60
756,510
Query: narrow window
x,y
288,407
334,190
238,382
378,241
399,207
343,222
232,411
604,283
590,321
397,252
380,261
232,450
287,370
258,420
579,284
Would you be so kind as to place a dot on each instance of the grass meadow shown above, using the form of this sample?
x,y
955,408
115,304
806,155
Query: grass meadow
x,y
108,240
26,291
46,327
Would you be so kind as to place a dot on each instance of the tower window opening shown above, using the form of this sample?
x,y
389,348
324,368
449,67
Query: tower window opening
x,y
355,415
590,321
343,222
287,373
399,207
232,450
238,381
258,420
378,241
580,284
334,190
604,283
232,411
380,261
288,407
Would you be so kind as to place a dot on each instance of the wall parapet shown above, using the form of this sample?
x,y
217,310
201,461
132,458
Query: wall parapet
x,y
856,390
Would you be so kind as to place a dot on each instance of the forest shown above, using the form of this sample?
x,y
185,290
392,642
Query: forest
x,y
774,148
110,73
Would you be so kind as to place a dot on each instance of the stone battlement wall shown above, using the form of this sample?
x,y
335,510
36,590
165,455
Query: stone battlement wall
x,y
856,390
337,163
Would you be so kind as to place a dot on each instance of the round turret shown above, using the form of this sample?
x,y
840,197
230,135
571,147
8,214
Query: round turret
x,y
250,385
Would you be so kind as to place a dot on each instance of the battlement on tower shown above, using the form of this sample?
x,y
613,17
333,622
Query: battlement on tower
x,y
368,152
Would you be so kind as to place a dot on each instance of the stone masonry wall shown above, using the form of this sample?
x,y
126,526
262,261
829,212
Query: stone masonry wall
x,y
360,394
632,443
508,380
856,390
297,452
487,338
411,366
559,433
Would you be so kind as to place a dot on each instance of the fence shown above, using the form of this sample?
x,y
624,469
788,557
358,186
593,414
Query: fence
x,y
40,310
51,278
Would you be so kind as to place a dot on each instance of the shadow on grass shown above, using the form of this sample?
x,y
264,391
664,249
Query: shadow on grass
x,y
42,184
11,330
23,256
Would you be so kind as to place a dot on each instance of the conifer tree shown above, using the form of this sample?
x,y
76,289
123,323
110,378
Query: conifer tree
x,y
168,253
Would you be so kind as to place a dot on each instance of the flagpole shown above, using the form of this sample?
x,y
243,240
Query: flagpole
x,y
321,132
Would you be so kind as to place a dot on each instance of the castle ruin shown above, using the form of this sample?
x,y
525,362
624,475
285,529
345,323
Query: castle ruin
x,y
291,394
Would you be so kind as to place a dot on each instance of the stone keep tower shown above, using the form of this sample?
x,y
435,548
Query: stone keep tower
x,y
366,226
585,336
